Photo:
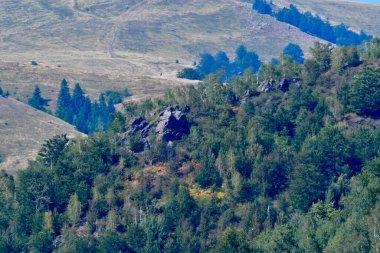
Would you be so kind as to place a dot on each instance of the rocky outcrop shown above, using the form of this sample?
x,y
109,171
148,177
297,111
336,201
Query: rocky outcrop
x,y
266,86
139,124
172,124
137,127
286,82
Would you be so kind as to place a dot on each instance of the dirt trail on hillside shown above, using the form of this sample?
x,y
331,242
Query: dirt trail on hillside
x,y
117,23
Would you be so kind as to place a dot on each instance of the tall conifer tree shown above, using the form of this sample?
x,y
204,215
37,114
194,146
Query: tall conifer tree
x,y
64,108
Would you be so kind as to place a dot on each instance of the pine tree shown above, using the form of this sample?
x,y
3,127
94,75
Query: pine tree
x,y
82,120
78,99
94,119
64,108
103,112
37,101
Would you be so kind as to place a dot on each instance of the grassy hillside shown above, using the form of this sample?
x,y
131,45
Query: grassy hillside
x,y
23,130
116,44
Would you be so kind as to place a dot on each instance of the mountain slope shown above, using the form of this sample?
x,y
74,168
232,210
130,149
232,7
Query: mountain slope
x,y
23,130
113,44
116,44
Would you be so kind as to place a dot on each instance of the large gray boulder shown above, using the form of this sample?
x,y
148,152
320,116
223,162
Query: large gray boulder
x,y
266,86
172,124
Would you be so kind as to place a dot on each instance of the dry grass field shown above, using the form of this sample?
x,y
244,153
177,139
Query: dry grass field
x,y
23,130
116,44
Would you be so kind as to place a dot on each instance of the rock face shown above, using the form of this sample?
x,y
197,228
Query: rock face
x,y
286,82
172,124
139,124
266,86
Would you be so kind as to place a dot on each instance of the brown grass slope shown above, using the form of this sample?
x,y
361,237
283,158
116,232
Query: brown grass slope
x,y
22,132
113,44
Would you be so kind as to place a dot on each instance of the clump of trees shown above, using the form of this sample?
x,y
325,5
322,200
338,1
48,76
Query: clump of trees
x,y
189,73
314,25
294,51
221,63
361,94
76,108
79,110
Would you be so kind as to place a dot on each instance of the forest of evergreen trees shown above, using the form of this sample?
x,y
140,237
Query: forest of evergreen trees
x,y
78,109
313,25
294,171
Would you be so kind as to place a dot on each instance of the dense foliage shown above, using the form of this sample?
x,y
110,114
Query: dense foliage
x,y
275,172
314,25
362,93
